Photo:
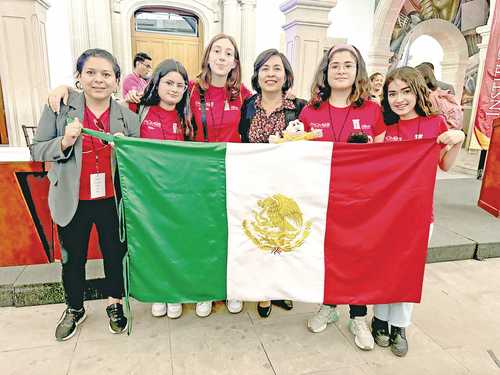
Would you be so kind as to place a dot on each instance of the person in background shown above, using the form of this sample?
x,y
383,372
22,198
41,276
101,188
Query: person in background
x,y
376,85
83,187
134,83
443,85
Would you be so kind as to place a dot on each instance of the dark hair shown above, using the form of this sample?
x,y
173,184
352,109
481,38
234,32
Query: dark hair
x,y
429,64
141,57
97,52
417,85
429,77
233,81
262,59
151,96
321,90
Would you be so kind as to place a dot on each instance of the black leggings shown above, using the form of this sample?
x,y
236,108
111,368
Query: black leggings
x,y
356,310
74,239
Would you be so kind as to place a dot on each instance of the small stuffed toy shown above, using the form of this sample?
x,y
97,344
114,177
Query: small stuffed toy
x,y
295,132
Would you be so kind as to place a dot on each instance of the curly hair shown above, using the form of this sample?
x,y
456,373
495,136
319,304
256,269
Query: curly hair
x,y
417,85
321,90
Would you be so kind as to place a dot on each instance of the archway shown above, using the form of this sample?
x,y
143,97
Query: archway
x,y
456,56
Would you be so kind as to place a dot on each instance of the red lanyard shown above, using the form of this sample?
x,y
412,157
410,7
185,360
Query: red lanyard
x,y
417,134
99,125
214,125
332,128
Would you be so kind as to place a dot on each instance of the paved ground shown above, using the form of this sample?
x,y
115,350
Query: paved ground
x,y
455,329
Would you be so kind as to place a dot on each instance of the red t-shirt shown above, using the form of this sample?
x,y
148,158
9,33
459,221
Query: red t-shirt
x,y
416,128
96,156
162,124
222,115
367,119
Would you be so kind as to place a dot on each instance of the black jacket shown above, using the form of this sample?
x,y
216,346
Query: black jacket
x,y
248,112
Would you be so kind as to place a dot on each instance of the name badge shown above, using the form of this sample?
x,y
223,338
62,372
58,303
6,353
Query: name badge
x,y
355,124
97,185
419,136
174,127
226,106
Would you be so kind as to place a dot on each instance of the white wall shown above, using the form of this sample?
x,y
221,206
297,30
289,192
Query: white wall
x,y
269,20
426,48
353,20
58,44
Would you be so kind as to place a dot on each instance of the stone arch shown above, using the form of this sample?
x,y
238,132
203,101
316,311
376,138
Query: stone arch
x,y
209,17
385,17
455,51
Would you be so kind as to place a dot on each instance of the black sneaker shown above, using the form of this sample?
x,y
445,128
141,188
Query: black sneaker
x,y
380,332
399,344
117,321
66,326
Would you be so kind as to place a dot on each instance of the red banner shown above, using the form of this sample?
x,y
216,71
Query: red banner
x,y
489,98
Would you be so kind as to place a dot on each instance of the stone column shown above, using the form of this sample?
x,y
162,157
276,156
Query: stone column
x,y
23,63
305,38
90,25
231,19
247,46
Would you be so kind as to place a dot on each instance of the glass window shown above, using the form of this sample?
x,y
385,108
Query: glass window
x,y
166,23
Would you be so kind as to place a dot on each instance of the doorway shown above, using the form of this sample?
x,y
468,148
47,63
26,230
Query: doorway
x,y
165,33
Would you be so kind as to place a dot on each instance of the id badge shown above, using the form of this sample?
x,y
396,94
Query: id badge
x,y
226,105
97,185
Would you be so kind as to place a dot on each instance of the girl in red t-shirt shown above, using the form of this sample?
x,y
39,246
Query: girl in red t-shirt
x,y
218,94
409,115
340,104
340,108
164,107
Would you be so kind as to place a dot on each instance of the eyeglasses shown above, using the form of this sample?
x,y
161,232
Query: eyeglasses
x,y
171,85
146,65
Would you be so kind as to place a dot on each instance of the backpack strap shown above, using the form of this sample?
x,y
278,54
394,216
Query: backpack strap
x,y
143,112
203,114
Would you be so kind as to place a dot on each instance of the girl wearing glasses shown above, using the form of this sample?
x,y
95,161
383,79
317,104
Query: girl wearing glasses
x,y
341,108
164,108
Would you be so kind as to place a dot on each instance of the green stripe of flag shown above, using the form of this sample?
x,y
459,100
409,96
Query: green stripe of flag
x,y
185,236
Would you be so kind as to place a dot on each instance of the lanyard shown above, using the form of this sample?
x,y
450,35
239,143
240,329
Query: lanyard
x,y
332,128
100,126
417,134
214,124
163,131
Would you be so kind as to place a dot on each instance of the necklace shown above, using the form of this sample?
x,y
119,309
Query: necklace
x,y
417,135
336,137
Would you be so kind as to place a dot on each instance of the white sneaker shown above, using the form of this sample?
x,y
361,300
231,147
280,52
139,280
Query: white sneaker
x,y
174,310
234,306
203,309
362,335
325,315
159,309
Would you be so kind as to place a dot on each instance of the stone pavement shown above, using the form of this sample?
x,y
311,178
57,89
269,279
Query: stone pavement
x,y
455,331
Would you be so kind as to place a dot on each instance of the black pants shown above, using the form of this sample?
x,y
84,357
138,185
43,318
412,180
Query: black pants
x,y
356,310
74,239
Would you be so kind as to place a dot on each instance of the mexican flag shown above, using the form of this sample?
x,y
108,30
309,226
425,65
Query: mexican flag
x,y
305,221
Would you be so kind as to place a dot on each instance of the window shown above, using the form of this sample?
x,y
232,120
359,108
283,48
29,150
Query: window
x,y
166,23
